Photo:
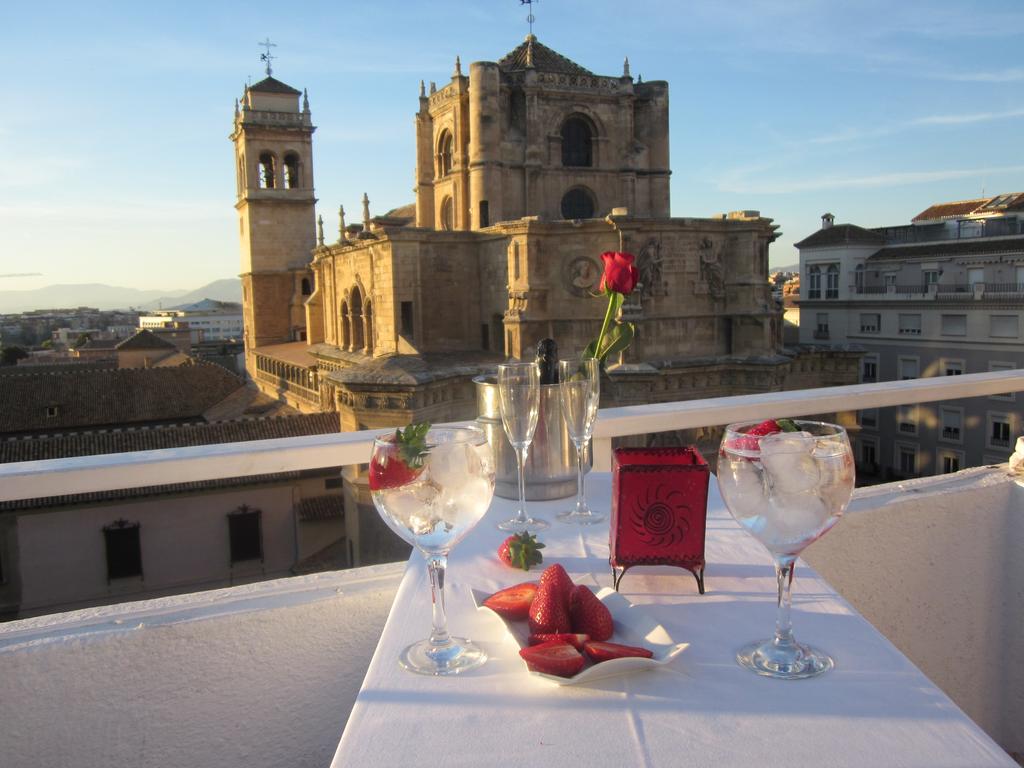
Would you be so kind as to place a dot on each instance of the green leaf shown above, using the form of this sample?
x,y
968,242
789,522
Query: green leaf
x,y
787,425
412,443
618,339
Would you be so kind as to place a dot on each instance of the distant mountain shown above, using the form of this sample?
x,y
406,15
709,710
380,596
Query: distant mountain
x,y
790,268
228,289
101,296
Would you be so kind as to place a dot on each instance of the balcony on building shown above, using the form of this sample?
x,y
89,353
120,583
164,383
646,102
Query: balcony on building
x,y
277,664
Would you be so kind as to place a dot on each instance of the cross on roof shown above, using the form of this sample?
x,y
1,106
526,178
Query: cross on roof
x,y
268,57
530,18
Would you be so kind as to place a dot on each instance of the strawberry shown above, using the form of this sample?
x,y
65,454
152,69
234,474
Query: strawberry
x,y
576,641
561,582
589,615
749,441
513,602
402,461
548,612
521,550
768,427
600,651
553,658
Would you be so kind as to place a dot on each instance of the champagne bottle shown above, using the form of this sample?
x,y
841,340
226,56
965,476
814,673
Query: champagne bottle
x,y
547,359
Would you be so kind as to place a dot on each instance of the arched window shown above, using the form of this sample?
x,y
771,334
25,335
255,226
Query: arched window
x,y
444,153
577,142
267,172
357,320
291,171
814,283
832,282
307,288
447,214
578,203
346,337
368,315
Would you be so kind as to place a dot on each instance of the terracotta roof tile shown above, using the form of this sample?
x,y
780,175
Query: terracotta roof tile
x,y
145,339
327,507
60,401
1013,201
841,234
973,247
543,59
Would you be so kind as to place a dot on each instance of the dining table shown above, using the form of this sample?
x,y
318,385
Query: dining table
x,y
875,708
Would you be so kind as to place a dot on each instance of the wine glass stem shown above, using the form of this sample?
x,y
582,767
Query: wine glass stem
x,y
436,565
521,461
783,623
580,499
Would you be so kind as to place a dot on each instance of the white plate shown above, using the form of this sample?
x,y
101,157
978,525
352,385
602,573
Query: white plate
x,y
633,626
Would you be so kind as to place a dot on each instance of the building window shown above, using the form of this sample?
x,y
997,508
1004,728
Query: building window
x,y
124,550
447,214
998,430
333,483
858,279
950,461
952,367
909,368
868,454
868,418
910,325
954,325
406,311
444,153
906,458
291,171
868,369
307,288
1003,326
485,214
931,277
952,423
890,280
976,276
832,282
245,533
577,144
906,419
267,173
870,322
814,283
821,330
578,203
997,365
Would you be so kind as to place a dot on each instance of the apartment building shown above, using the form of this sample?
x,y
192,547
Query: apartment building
x,y
941,296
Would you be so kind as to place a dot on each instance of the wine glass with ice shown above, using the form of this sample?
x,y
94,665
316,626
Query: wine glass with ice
x,y
786,483
431,486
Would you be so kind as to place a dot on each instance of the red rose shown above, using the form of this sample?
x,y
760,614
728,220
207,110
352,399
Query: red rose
x,y
619,273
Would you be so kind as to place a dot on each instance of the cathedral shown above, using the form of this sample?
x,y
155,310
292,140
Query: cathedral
x,y
526,170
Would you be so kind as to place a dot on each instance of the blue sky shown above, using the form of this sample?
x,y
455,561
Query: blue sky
x,y
115,119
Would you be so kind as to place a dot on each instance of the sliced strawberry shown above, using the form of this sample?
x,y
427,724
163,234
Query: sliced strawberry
x,y
553,658
513,602
521,550
600,651
573,639
402,461
767,427
589,615
548,613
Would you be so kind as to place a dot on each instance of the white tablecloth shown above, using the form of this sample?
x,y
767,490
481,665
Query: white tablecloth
x,y
874,709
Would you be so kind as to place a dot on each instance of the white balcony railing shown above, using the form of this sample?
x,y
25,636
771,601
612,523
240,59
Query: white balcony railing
x,y
53,477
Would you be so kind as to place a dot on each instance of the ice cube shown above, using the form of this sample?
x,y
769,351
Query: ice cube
x,y
450,464
797,518
788,460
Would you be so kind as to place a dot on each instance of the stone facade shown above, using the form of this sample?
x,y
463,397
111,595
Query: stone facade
x,y
406,310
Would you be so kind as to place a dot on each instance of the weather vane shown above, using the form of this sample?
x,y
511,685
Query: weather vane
x,y
268,57
530,18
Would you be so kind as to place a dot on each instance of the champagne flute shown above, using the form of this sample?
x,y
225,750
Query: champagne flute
x,y
431,490
579,391
786,489
519,398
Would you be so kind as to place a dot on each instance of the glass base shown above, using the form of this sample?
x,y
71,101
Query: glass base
x,y
791,662
576,517
425,658
515,525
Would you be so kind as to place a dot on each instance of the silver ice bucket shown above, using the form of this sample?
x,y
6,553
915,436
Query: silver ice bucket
x,y
551,461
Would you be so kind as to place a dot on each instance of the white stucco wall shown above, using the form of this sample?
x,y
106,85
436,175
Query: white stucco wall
x,y
937,565
260,676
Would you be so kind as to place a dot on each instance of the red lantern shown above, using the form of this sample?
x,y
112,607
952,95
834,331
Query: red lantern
x,y
659,510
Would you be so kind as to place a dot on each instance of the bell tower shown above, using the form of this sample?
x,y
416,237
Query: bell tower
x,y
273,138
